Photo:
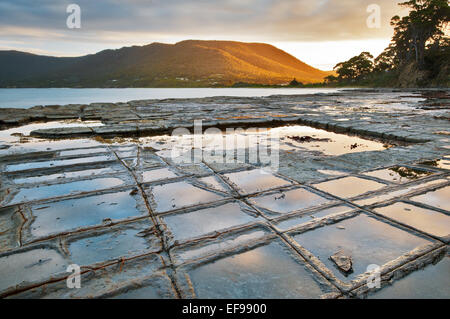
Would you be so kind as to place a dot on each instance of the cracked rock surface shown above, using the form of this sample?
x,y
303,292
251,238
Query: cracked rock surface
x,y
100,186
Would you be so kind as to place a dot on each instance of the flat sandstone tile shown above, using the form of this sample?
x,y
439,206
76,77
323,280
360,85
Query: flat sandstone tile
x,y
266,272
68,215
426,220
217,246
200,222
399,174
212,182
365,239
432,282
349,187
304,218
32,266
57,190
157,287
157,174
56,162
439,198
113,245
255,181
181,194
289,201
40,178
397,193
119,280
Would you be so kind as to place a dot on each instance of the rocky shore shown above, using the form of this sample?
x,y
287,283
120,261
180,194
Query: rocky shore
x,y
361,190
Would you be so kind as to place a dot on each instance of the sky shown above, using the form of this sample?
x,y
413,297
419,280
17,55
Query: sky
x,y
318,32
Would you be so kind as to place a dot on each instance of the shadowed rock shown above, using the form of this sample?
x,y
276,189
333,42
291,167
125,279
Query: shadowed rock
x,y
342,261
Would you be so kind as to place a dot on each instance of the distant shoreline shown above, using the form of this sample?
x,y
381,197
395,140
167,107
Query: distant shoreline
x,y
29,97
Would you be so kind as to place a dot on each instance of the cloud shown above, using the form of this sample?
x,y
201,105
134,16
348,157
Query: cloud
x,y
117,23
295,20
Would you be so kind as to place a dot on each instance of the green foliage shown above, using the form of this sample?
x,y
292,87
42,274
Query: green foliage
x,y
424,24
419,43
356,68
331,79
437,62
295,83
386,61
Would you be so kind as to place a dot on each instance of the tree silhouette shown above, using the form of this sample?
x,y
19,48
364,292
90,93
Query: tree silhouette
x,y
419,43
355,68
425,22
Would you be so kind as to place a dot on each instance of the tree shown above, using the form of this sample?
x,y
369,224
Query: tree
x,y
331,79
294,82
386,61
420,43
355,68
425,22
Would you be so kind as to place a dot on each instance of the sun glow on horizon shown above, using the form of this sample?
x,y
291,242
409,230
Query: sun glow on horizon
x,y
325,55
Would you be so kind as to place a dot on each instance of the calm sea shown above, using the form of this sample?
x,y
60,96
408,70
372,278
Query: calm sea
x,y
26,98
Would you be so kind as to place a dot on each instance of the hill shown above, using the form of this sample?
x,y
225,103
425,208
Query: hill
x,y
185,64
